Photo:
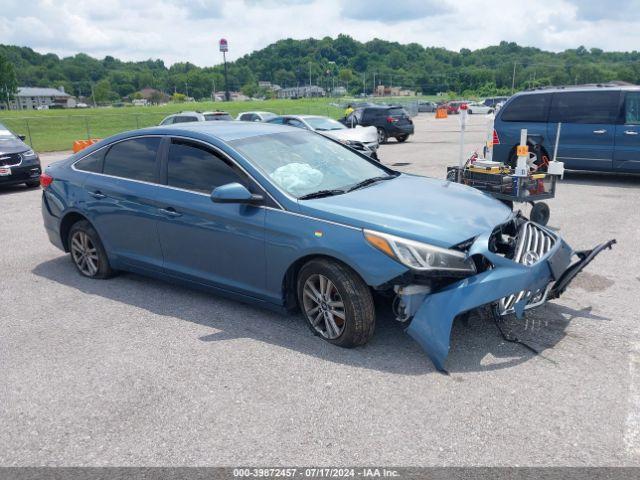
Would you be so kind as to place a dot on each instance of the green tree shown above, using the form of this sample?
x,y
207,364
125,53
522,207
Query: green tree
x,y
102,92
8,81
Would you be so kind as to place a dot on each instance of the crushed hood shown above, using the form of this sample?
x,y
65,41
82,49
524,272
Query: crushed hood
x,y
424,209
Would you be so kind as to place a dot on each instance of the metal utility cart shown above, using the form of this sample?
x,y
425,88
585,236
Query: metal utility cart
x,y
502,184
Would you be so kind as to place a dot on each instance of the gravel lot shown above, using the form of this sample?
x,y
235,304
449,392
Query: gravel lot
x,y
132,371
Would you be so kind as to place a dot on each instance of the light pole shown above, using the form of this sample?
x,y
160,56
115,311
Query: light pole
x,y
224,48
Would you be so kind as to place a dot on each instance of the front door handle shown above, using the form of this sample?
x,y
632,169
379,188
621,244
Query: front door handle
x,y
600,132
98,194
630,132
171,212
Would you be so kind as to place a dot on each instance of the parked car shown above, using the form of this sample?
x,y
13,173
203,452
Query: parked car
x,y
426,106
287,218
255,116
600,127
184,117
389,120
18,162
453,107
363,139
493,101
478,108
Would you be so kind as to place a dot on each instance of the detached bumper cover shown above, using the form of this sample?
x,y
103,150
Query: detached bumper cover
x,y
431,325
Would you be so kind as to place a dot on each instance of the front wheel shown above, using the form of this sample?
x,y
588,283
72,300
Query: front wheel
x,y
382,136
336,302
87,252
402,138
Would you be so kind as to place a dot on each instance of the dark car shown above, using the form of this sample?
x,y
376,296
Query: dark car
x,y
389,120
18,162
600,127
493,101
425,106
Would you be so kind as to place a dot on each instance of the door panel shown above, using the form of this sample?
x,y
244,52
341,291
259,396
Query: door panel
x,y
627,143
588,128
212,243
121,201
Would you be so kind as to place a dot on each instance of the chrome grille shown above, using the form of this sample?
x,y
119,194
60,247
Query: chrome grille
x,y
10,159
532,245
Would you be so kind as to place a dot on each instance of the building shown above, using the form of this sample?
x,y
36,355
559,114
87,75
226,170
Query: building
x,y
151,95
384,91
300,92
339,91
32,98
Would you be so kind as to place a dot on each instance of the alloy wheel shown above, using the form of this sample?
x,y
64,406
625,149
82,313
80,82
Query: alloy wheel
x,y
85,253
323,306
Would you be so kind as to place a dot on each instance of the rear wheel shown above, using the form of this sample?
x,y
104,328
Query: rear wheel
x,y
336,302
382,135
402,138
87,252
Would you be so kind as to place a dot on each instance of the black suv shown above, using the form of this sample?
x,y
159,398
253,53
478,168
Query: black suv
x,y
390,121
18,163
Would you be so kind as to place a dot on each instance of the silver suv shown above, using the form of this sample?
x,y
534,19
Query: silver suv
x,y
183,117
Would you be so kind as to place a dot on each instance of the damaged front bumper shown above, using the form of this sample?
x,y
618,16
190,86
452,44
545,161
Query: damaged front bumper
x,y
540,270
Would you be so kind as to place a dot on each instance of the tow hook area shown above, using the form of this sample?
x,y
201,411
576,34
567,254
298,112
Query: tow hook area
x,y
408,300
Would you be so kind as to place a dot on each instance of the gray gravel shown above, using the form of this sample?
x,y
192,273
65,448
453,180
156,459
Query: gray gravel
x,y
133,371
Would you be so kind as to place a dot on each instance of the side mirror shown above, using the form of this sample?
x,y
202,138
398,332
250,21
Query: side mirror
x,y
22,137
234,193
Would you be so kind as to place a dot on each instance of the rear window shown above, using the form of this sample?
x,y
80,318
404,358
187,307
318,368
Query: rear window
x,y
397,112
527,108
632,108
584,107
217,116
92,162
134,159
184,119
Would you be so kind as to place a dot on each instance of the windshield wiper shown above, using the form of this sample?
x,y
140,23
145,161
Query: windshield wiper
x,y
322,193
369,181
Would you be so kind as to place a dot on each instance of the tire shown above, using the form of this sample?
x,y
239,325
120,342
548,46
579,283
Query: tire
x,y
345,287
469,112
540,213
84,242
32,183
402,138
382,135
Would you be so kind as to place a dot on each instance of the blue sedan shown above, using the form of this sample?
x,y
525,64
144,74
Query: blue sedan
x,y
290,219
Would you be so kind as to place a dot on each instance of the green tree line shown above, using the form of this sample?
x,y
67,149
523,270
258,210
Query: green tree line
x,y
327,62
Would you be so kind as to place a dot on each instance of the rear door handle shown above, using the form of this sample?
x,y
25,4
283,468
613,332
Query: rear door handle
x,y
97,194
630,132
600,132
171,212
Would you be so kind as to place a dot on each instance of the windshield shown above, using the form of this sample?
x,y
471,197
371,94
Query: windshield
x,y
304,162
6,134
324,124
397,111
266,116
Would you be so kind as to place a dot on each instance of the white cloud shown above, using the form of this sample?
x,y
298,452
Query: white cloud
x,y
188,30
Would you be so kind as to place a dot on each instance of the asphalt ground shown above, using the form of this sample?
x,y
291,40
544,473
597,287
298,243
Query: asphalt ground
x,y
137,372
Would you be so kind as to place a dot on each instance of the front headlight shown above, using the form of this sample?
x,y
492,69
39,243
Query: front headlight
x,y
29,154
420,256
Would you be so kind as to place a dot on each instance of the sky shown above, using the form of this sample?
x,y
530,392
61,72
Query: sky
x,y
188,30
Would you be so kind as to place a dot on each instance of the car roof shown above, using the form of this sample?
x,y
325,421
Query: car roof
x,y
217,112
580,88
224,130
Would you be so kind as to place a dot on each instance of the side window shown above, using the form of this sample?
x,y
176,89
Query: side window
x,y
277,120
245,117
184,119
92,162
584,107
294,122
527,108
167,121
632,108
196,168
134,159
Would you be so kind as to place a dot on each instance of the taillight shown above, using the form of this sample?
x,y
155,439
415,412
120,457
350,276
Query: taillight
x,y
391,120
45,180
496,139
